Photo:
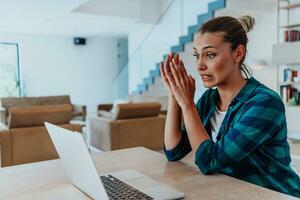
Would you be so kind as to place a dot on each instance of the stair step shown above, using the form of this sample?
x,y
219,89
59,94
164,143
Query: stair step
x,y
158,81
157,87
185,39
148,81
205,17
142,87
193,29
155,93
177,48
154,73
213,6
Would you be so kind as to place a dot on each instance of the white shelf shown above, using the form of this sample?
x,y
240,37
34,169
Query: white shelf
x,y
286,53
291,26
289,83
291,6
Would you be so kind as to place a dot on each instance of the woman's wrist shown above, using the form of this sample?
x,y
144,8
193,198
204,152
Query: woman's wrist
x,y
188,106
172,101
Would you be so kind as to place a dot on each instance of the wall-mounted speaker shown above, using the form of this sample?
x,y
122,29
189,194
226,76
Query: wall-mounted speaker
x,y
79,41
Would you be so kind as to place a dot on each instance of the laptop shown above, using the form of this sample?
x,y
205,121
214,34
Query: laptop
x,y
125,184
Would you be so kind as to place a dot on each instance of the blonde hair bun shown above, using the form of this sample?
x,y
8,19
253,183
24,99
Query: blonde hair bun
x,y
247,22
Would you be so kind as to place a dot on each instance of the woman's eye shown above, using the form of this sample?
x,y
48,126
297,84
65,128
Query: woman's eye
x,y
196,55
210,56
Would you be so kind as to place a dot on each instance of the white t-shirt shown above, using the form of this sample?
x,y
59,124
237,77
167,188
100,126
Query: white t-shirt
x,y
216,122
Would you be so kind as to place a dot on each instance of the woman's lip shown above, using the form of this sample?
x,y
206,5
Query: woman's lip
x,y
205,77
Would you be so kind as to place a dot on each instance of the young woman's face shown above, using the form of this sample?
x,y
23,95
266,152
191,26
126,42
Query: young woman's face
x,y
215,59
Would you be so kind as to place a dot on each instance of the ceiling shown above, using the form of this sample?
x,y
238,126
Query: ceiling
x,y
98,17
255,8
77,17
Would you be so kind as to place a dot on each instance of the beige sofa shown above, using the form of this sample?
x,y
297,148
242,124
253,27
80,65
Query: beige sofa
x,y
132,125
78,111
24,139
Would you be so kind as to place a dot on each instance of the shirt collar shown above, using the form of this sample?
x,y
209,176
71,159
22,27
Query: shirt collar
x,y
242,96
246,91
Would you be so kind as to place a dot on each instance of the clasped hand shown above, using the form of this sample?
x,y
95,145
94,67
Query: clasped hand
x,y
177,81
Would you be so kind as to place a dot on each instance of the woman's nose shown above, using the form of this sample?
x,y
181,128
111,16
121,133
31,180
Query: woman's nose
x,y
201,66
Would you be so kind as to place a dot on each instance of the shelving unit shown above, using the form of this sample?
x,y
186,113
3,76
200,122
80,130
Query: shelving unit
x,y
286,53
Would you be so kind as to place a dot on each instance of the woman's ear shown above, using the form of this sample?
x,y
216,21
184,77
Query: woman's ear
x,y
239,53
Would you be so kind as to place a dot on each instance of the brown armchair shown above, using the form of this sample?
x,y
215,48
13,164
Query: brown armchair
x,y
25,139
132,125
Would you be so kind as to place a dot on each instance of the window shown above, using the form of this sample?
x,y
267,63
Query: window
x,y
9,70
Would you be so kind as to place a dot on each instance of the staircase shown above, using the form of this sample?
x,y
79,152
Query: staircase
x,y
153,85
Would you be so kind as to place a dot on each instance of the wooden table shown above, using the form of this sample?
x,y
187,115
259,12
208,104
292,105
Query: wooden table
x,y
46,180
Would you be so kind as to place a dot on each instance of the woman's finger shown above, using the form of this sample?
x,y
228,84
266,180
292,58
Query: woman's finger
x,y
192,80
174,73
177,68
183,68
168,60
177,59
162,70
164,77
171,80
161,67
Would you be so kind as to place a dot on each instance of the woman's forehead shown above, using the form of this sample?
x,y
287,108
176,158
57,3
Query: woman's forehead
x,y
208,40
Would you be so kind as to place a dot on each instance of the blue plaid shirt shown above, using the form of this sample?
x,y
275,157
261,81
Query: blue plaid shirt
x,y
251,143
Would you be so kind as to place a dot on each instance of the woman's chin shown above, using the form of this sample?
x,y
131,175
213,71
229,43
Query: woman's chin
x,y
208,84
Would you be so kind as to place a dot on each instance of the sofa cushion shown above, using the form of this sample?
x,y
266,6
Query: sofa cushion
x,y
106,114
37,115
163,100
137,110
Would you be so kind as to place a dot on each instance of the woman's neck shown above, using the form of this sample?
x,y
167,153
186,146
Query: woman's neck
x,y
229,89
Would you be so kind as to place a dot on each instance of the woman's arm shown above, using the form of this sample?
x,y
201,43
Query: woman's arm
x,y
183,87
172,134
195,129
176,142
172,126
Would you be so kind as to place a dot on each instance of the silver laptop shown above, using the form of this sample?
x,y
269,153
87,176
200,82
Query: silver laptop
x,y
125,184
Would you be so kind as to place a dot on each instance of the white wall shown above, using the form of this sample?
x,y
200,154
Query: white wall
x,y
261,40
52,65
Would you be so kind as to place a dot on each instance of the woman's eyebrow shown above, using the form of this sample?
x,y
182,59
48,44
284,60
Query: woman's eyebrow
x,y
209,46
206,47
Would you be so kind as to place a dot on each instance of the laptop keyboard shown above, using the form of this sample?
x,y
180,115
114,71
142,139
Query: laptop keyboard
x,y
117,189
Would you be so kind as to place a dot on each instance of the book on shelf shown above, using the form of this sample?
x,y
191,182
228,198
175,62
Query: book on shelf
x,y
291,35
290,94
290,75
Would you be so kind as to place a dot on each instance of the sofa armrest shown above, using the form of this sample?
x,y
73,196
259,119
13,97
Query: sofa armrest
x,y
98,132
6,148
146,132
79,110
3,127
3,115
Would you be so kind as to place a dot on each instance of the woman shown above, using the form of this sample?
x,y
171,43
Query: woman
x,y
239,128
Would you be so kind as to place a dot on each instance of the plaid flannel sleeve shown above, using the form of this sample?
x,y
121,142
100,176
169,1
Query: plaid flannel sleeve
x,y
184,146
181,149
